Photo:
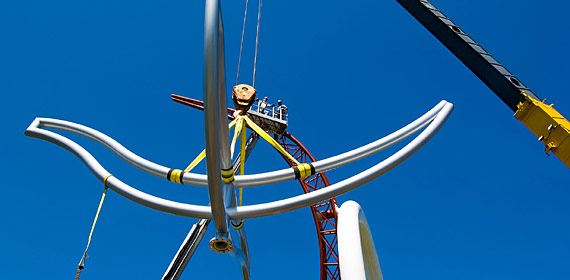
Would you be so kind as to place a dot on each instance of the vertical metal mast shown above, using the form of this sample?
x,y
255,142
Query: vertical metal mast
x,y
194,237
217,135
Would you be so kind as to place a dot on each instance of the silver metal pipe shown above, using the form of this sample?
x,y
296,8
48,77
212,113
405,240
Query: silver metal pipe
x,y
243,261
251,211
212,117
358,259
114,183
245,180
189,245
225,156
346,185
241,236
378,145
344,158
108,142
124,153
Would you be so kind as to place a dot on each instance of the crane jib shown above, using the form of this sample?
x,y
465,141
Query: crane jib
x,y
502,82
549,126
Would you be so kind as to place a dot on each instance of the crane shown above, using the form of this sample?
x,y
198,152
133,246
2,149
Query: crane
x,y
547,124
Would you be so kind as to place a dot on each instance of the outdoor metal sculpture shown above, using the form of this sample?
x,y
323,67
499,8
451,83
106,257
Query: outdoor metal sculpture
x,y
221,181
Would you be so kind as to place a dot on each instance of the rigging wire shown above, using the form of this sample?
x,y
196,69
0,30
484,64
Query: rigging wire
x,y
256,42
242,34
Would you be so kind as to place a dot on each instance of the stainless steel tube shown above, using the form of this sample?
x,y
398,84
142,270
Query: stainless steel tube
x,y
245,180
252,211
120,150
346,185
212,115
114,183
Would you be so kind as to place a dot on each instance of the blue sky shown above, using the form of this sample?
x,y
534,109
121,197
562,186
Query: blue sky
x,y
481,200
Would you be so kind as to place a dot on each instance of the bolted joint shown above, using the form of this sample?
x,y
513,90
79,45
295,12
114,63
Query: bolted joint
x,y
221,245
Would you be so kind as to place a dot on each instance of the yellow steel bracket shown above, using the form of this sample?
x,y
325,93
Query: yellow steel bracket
x,y
551,128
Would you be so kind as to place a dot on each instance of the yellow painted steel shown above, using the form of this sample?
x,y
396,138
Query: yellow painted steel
x,y
551,128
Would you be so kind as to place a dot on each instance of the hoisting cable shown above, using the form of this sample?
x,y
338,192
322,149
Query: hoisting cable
x,y
81,264
256,42
242,34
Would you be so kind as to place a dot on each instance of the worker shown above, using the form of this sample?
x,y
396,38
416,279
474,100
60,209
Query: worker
x,y
281,110
263,105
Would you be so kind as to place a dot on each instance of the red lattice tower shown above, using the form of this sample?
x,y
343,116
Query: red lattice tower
x,y
324,214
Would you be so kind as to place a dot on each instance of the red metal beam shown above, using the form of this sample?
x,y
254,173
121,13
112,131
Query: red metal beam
x,y
324,214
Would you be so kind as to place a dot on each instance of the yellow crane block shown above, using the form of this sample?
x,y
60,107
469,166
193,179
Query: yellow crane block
x,y
551,128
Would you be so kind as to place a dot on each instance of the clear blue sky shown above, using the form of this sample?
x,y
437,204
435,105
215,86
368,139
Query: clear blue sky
x,y
481,200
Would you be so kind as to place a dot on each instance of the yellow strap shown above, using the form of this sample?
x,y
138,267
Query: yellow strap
x,y
242,160
175,175
202,155
228,175
228,179
270,140
232,123
82,261
197,160
237,132
302,170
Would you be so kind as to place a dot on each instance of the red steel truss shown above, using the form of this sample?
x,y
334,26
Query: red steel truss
x,y
324,214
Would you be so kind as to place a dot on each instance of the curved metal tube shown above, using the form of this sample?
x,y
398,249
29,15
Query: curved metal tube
x,y
114,183
300,201
378,145
243,180
358,259
250,211
242,254
114,146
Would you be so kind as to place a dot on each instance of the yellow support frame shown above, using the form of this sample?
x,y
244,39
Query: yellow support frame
x,y
551,128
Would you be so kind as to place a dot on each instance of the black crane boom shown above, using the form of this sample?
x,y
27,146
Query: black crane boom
x,y
502,82
551,128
